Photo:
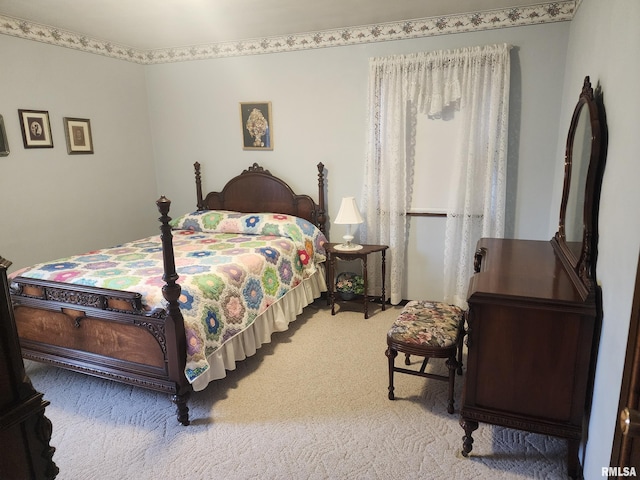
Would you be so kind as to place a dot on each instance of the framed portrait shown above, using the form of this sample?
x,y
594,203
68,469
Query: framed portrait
x,y
4,144
257,125
36,129
78,134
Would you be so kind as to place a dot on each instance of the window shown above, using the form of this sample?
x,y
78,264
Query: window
x,y
436,140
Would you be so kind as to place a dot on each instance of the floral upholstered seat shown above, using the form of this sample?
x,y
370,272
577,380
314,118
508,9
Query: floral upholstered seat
x,y
430,330
427,323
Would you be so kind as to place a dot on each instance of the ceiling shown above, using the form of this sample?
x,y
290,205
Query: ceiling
x,y
146,25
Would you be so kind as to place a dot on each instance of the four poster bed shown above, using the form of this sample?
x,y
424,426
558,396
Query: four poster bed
x,y
173,312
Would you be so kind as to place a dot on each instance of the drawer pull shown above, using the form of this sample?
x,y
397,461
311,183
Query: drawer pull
x,y
630,422
76,315
477,259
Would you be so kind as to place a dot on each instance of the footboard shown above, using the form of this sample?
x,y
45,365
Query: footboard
x,y
107,333
92,330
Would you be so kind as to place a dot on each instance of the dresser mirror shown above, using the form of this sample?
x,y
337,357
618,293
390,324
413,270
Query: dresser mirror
x,y
534,314
4,144
576,235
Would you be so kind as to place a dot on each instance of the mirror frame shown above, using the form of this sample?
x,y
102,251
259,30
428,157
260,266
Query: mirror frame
x,y
4,143
582,268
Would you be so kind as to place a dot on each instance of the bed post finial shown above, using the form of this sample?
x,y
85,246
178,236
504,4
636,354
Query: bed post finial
x,y
174,322
199,200
322,219
170,276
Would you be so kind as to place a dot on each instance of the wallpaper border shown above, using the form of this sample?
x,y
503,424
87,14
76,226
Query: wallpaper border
x,y
486,20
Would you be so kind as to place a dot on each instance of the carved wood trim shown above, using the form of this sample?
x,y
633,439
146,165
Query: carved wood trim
x,y
79,295
521,424
256,168
160,384
259,179
157,331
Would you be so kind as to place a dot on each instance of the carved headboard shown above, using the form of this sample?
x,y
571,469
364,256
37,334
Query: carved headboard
x,y
257,190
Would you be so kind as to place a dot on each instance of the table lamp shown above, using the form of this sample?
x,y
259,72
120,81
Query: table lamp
x,y
348,215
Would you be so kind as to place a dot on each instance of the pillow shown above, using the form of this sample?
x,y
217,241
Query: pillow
x,y
306,236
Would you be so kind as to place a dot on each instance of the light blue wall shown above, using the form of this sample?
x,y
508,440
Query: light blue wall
x,y
319,102
151,123
55,204
603,43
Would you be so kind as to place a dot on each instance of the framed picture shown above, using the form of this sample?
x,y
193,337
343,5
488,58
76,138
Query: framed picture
x,y
36,129
4,144
257,125
78,134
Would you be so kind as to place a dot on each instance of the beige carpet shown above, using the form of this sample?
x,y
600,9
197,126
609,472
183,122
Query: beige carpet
x,y
310,405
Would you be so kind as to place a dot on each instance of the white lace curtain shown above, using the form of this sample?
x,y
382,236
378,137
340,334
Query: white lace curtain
x,y
474,81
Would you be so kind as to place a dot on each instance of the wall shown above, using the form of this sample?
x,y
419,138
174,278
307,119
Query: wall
x,y
55,204
603,43
159,119
151,123
319,102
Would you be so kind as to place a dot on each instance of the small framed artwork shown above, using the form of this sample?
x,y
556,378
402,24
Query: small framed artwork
x,y
257,125
4,144
36,129
78,134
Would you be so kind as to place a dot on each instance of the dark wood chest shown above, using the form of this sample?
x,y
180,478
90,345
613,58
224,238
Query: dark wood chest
x,y
530,338
24,430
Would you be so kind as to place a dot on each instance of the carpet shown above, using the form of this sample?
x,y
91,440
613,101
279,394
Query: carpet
x,y
312,404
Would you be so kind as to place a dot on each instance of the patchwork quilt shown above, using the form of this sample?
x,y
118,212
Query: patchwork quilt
x,y
232,267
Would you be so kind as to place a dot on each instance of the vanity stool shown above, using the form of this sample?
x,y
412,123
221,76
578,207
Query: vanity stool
x,y
429,330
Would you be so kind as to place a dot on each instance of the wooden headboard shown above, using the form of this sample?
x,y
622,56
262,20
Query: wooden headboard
x,y
257,190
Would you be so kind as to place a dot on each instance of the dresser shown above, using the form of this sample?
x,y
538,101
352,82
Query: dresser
x,y
24,430
530,336
534,311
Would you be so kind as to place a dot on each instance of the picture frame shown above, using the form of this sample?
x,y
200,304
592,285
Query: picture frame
x,y
257,125
78,134
36,129
4,143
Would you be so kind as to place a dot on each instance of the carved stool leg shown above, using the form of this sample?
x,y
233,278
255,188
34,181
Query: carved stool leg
x,y
407,359
467,441
182,410
391,355
424,364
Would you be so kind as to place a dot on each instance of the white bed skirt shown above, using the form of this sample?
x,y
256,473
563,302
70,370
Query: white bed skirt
x,y
275,319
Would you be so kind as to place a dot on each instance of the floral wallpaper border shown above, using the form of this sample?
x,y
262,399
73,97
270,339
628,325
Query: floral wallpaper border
x,y
425,27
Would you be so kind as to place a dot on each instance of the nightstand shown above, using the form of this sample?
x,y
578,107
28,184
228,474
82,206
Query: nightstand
x,y
333,254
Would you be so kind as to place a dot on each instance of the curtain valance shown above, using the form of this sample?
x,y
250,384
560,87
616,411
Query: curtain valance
x,y
474,80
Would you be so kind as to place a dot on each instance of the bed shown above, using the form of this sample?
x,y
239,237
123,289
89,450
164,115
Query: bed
x,y
175,311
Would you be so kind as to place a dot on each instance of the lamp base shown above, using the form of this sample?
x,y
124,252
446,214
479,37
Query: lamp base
x,y
348,247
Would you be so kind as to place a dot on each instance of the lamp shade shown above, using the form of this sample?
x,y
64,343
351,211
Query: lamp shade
x,y
348,213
